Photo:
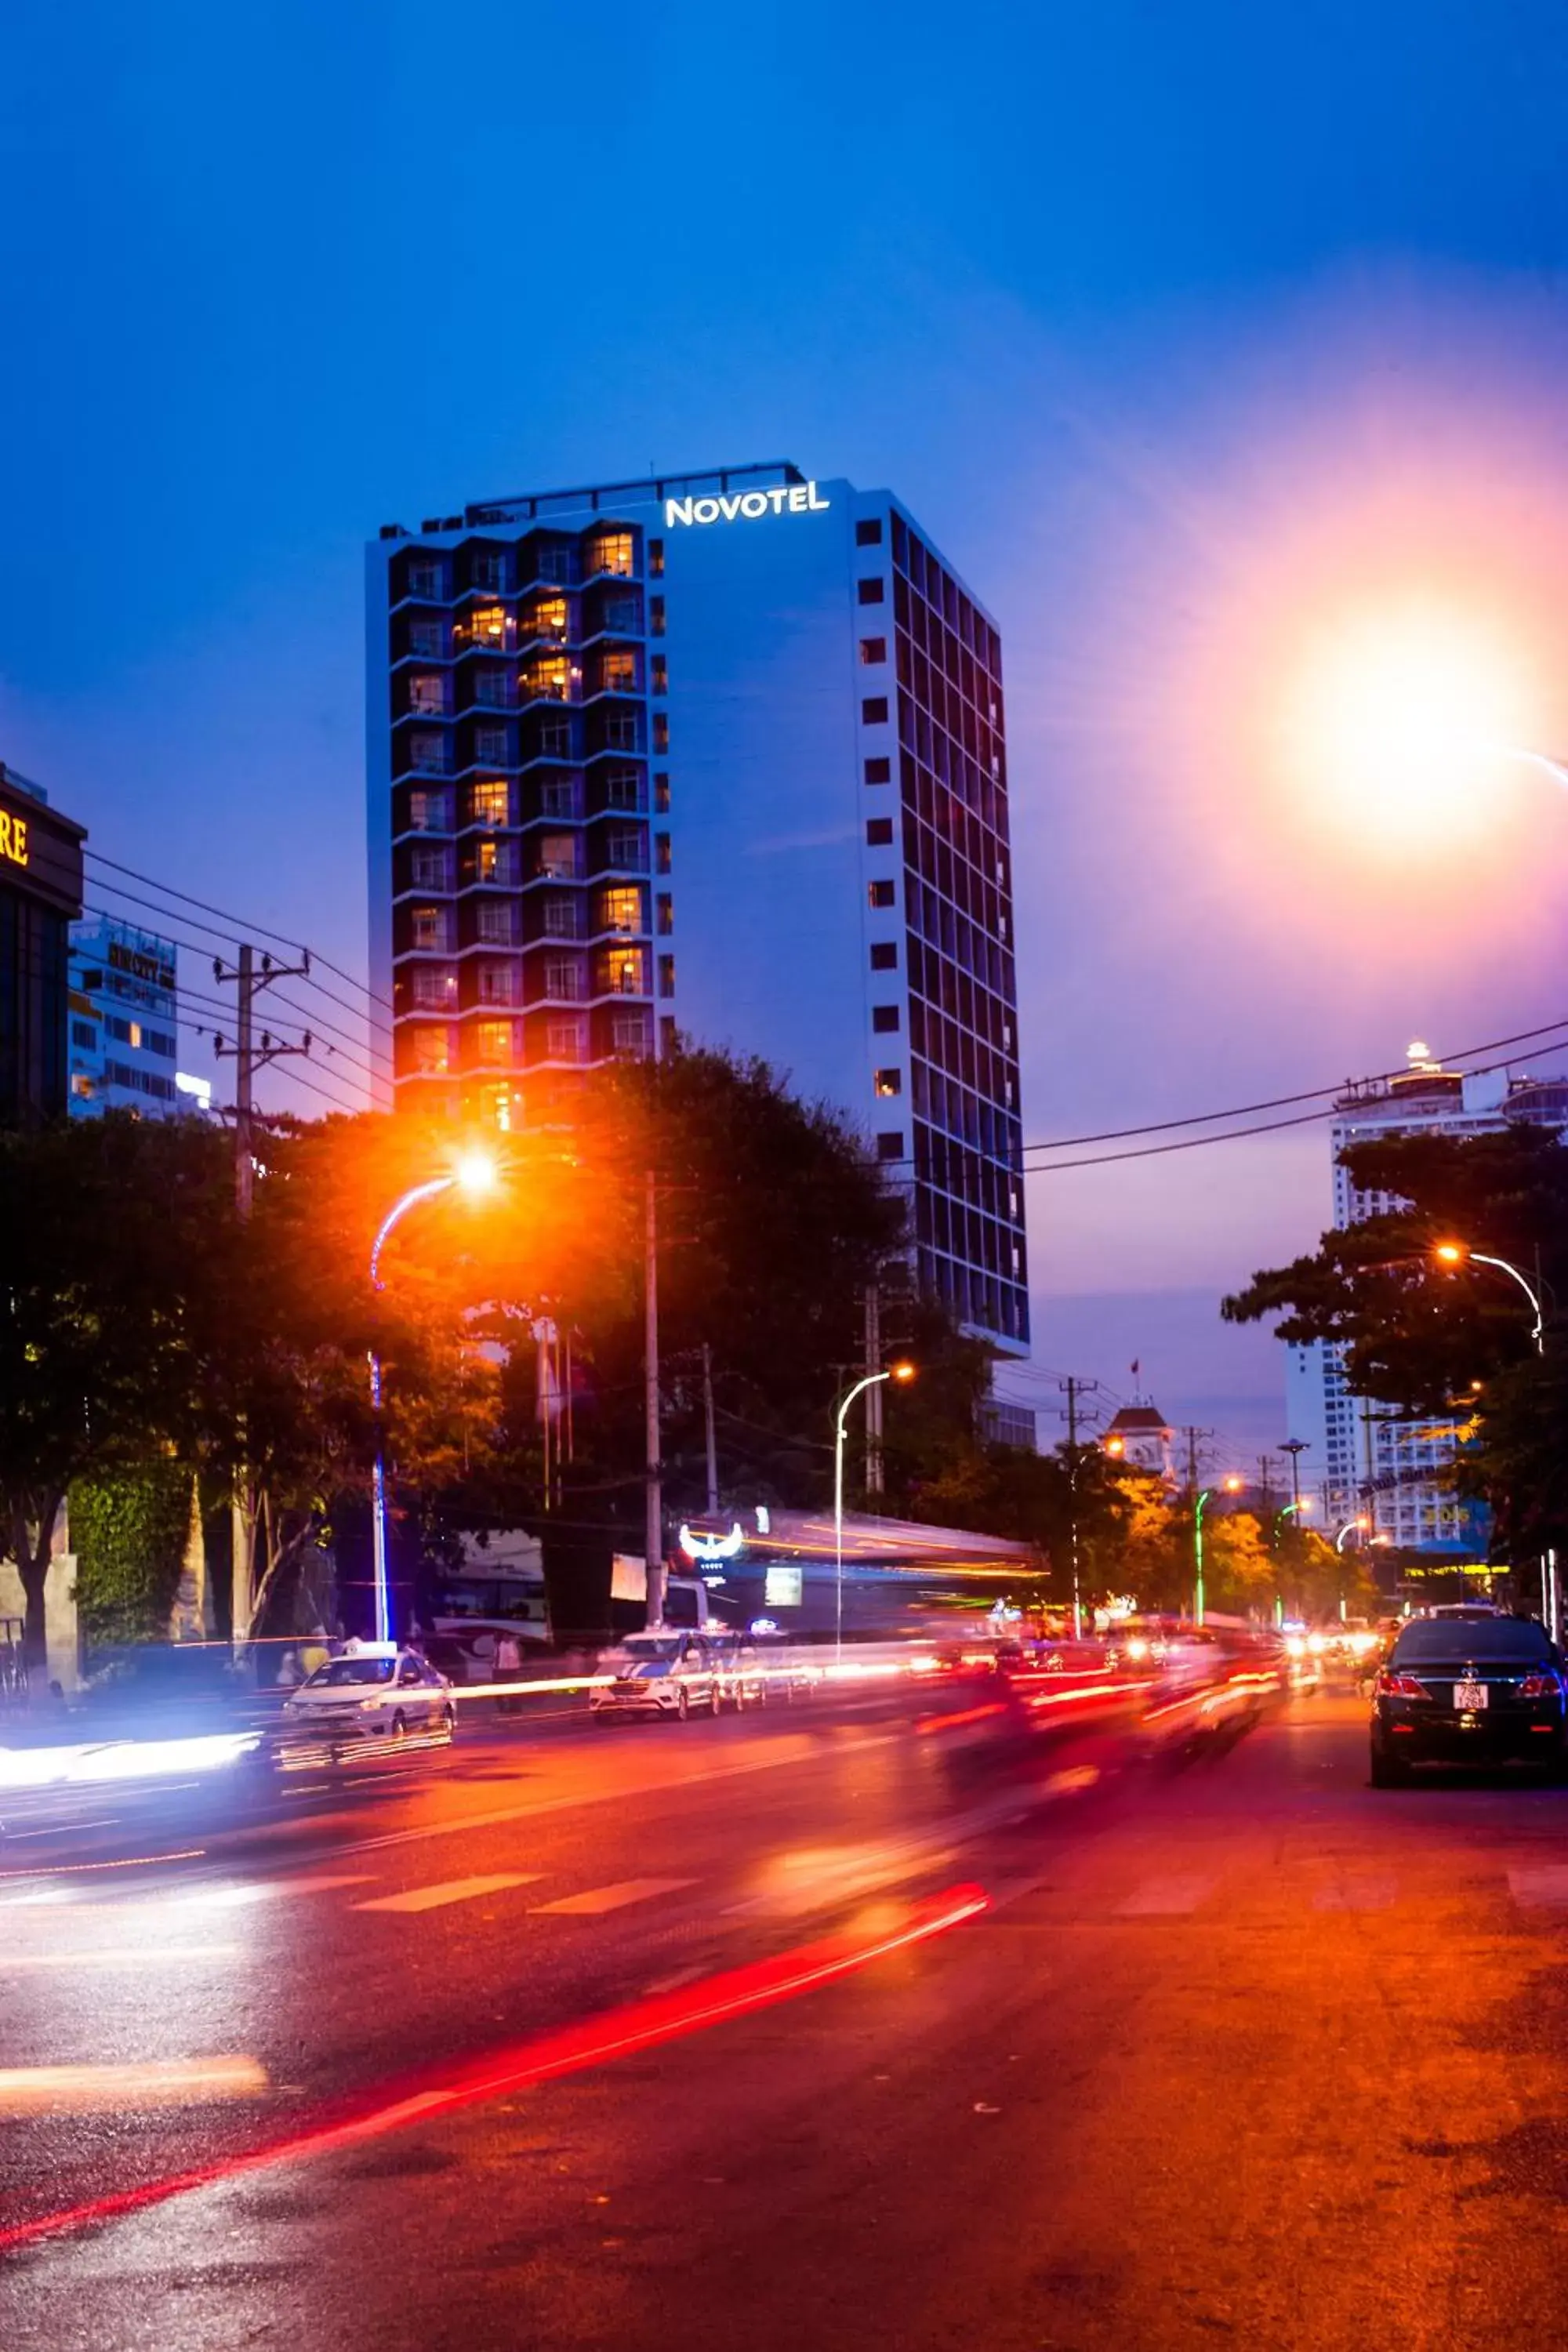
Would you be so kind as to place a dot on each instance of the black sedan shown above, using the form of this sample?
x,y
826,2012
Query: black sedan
x,y
1468,1687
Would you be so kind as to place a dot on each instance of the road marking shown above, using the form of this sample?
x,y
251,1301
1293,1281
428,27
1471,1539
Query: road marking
x,y
614,1898
450,1890
1543,1888
121,1956
252,1890
1356,1891
1164,1898
165,2083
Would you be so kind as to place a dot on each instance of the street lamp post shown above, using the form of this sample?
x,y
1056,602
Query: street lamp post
x,y
1198,1554
900,1371
474,1174
1291,1510
1456,1253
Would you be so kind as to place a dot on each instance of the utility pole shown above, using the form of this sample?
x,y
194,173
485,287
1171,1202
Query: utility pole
x,y
653,1534
874,1395
1193,1436
1073,1389
1266,1485
708,1425
248,981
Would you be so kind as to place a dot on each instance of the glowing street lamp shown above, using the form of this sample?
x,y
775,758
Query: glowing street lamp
x,y
1458,1254
474,1173
1351,1527
901,1372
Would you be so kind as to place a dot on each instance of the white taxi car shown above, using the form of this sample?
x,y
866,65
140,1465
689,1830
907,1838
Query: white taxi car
x,y
658,1674
374,1690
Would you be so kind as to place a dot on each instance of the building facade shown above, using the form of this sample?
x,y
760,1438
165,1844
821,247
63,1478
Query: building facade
x,y
40,892
719,754
1365,1462
125,1021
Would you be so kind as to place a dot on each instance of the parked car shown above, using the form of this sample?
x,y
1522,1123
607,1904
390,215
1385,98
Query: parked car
x,y
374,1690
1468,1685
658,1674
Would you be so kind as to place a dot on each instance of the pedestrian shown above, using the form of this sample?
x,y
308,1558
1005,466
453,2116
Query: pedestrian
x,y
289,1671
508,1665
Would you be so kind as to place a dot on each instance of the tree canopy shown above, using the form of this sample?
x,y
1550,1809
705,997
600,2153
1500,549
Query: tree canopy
x,y
1456,1343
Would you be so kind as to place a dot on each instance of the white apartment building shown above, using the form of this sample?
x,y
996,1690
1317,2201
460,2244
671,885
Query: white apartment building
x,y
1360,1458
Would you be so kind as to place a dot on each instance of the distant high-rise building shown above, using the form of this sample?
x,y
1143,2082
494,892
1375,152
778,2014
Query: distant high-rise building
x,y
1364,1461
125,1021
725,751
40,891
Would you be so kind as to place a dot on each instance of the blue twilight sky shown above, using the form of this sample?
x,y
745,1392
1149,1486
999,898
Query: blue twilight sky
x,y
1179,326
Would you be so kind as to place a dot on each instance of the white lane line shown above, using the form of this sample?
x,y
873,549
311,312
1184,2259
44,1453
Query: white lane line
x,y
1356,1891
121,1956
165,2083
1543,1888
613,1899
450,1890
1164,1898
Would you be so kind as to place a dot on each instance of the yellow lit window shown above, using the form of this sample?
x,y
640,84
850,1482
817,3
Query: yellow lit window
x,y
485,862
620,910
620,673
488,802
623,972
547,618
611,551
889,1082
495,1107
427,1049
489,624
133,1032
548,676
492,1041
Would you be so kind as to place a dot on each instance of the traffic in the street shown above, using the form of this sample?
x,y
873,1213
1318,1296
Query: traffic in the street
x,y
783,1179
1020,2037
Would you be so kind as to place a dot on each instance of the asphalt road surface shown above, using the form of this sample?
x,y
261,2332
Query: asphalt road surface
x,y
693,2034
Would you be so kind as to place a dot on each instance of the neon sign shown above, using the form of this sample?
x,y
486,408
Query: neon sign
x,y
711,1549
14,839
747,506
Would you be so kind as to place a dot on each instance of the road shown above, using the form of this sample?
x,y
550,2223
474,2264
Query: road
x,y
1244,2051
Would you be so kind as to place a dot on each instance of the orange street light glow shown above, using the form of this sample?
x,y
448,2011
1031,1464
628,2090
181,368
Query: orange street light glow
x,y
904,1372
1398,714
475,1173
1451,1252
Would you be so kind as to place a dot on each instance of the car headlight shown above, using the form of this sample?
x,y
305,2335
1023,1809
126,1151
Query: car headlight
x,y
369,1706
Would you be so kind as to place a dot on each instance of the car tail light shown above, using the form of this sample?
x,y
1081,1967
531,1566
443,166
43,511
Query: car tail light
x,y
1393,1686
1539,1686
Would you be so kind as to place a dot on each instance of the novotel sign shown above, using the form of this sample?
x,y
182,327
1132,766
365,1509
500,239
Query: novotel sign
x,y
747,506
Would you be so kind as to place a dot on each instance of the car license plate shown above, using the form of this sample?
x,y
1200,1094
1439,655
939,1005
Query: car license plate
x,y
1470,1696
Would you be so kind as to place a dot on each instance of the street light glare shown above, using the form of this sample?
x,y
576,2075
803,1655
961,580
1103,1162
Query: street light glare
x,y
902,1371
1451,1252
475,1173
1398,716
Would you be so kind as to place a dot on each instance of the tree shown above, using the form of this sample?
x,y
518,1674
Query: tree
x,y
1450,1345
772,1221
108,1229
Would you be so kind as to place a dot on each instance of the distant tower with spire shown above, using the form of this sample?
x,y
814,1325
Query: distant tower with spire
x,y
1141,1436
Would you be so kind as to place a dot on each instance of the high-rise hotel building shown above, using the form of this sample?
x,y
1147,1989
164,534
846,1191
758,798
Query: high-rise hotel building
x,y
1365,1460
724,753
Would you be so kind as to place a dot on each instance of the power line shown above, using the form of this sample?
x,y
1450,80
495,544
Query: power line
x,y
261,929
